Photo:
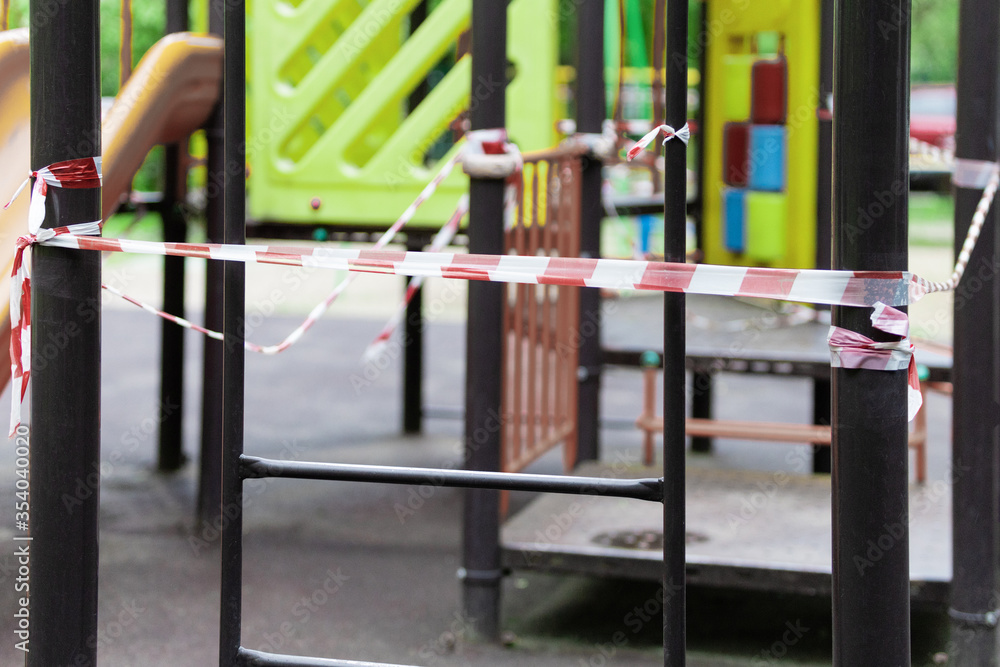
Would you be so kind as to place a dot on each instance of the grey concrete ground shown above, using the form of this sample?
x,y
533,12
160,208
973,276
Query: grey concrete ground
x,y
395,596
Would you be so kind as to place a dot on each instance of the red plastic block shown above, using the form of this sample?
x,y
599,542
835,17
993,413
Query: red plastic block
x,y
736,154
769,92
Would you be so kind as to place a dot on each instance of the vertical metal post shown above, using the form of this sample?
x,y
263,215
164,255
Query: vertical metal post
x,y
701,407
975,412
171,415
871,592
590,112
823,456
481,528
234,298
413,323
210,465
413,353
66,318
824,172
674,344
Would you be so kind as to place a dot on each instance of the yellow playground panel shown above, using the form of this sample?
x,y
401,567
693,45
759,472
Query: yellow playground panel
x,y
761,132
329,137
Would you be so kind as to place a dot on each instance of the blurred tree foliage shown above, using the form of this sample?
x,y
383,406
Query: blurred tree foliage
x,y
148,17
934,36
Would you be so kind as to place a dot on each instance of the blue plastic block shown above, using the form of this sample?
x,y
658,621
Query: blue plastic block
x,y
734,219
767,158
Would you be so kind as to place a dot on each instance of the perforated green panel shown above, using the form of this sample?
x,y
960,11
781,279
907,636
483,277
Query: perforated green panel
x,y
329,136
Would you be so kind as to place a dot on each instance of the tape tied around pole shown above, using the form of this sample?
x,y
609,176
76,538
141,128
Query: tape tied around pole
x,y
488,154
850,349
684,134
973,174
20,311
80,173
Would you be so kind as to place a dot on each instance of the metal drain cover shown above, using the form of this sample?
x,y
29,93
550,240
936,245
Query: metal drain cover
x,y
644,540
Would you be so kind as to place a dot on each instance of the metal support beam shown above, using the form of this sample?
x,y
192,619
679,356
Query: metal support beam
x,y
674,344
484,343
66,317
822,457
413,323
171,410
871,596
590,112
233,361
413,352
976,372
701,407
210,464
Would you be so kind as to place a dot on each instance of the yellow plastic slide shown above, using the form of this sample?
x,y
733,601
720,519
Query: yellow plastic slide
x,y
170,94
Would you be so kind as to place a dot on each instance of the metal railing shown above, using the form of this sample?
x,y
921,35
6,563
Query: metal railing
x,y
541,322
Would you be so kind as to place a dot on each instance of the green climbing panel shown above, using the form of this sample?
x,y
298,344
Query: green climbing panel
x,y
331,138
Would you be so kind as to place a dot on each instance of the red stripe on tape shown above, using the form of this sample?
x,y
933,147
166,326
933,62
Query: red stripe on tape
x,y
568,271
471,267
768,281
669,277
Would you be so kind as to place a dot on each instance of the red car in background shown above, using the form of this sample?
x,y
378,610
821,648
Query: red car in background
x,y
932,114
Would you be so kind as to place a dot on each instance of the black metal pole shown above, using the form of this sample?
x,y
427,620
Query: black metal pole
x,y
210,465
413,353
701,407
674,344
823,456
234,302
975,412
590,113
66,347
824,183
413,323
871,592
481,529
171,449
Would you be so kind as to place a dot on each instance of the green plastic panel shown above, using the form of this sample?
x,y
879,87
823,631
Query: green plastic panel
x,y
330,140
767,218
736,72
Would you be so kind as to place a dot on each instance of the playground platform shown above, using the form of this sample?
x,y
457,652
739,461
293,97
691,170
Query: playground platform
x,y
368,572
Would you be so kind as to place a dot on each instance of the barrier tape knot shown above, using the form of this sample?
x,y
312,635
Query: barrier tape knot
x,y
78,173
20,311
850,349
684,134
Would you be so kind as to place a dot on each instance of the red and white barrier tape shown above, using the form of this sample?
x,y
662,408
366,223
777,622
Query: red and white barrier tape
x,y
20,312
71,174
383,240
440,241
975,228
444,237
972,174
684,134
80,173
846,288
932,152
849,349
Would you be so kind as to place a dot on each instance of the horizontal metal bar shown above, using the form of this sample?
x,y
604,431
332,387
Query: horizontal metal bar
x,y
249,658
252,467
613,423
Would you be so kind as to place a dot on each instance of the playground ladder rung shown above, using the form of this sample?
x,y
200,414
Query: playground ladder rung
x,y
260,659
651,489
